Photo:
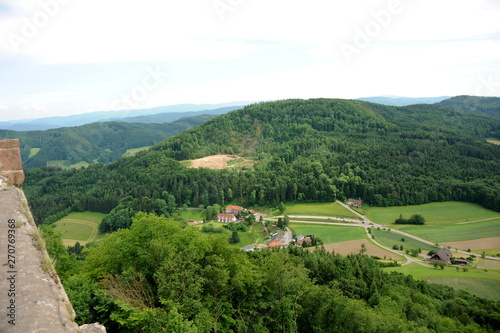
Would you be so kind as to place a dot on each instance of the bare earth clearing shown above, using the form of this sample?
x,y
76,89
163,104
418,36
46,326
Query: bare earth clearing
x,y
217,162
476,244
354,246
495,142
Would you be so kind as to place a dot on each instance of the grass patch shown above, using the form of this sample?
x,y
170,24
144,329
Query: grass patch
x,y
457,232
79,165
80,227
318,209
328,233
320,220
186,164
434,213
58,164
255,236
480,283
33,152
133,151
192,214
389,239
235,161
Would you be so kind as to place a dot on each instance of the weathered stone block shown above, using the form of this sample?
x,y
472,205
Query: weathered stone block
x,y
10,161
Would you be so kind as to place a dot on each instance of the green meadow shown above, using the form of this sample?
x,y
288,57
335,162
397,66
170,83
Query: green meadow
x,y
456,232
390,239
318,209
478,282
80,227
329,233
434,213
192,214
133,151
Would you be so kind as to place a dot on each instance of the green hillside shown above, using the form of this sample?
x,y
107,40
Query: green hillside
x,y
316,150
97,142
476,104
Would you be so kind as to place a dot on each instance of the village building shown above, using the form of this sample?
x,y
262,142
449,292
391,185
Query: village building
x,y
248,248
226,218
442,256
462,261
274,244
306,240
298,238
232,209
355,203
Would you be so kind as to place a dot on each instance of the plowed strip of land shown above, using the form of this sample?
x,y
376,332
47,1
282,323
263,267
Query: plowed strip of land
x,y
476,244
213,162
354,246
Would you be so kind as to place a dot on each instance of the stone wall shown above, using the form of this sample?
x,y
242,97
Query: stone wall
x,y
10,161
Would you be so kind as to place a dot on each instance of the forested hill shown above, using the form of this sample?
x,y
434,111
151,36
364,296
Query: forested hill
x,y
484,105
319,149
97,142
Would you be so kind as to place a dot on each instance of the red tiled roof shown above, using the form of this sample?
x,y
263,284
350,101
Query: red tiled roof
x,y
232,207
274,244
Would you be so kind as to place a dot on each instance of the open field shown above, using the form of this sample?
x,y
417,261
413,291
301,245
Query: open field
x,y
456,232
80,227
354,246
328,233
34,151
434,213
477,244
494,141
192,214
484,284
318,209
390,239
133,151
218,162
255,236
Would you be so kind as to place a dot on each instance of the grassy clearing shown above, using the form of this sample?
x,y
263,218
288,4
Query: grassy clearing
x,y
133,151
254,236
457,232
80,227
186,164
328,233
82,164
435,213
483,284
389,239
318,209
34,151
319,220
494,141
58,164
192,214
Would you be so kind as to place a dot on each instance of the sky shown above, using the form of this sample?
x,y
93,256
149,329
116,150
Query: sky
x,y
64,57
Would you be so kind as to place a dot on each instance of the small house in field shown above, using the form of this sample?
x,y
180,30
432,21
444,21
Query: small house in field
x,y
355,203
275,244
248,248
306,240
462,261
298,238
442,256
226,218
231,209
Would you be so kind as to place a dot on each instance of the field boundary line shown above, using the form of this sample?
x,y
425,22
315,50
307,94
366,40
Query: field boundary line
x,y
467,222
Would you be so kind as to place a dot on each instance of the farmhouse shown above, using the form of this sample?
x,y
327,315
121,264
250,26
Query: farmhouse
x,y
442,256
274,244
234,209
226,218
355,203
298,237
306,240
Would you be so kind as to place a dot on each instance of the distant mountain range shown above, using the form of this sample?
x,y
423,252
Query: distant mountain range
x,y
176,112
402,101
97,142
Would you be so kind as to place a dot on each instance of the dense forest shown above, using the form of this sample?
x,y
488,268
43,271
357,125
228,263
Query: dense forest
x,y
161,276
485,105
102,141
316,150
